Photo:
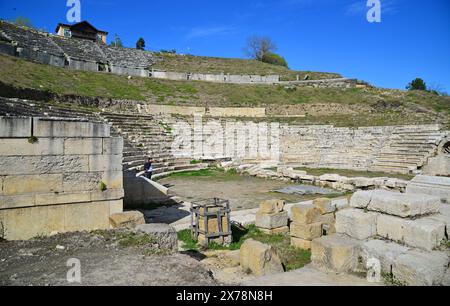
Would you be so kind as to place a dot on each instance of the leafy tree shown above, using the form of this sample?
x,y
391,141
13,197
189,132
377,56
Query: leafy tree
x,y
140,45
23,21
117,42
417,84
274,59
258,47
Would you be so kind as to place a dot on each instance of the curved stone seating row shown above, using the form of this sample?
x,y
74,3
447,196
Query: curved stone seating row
x,y
28,38
407,149
125,57
80,49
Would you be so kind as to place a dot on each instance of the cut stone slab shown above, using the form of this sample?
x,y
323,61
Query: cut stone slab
x,y
336,253
271,221
431,185
324,205
300,243
356,223
386,252
213,224
165,235
305,213
271,206
340,203
306,231
397,204
128,219
261,259
424,233
275,231
417,268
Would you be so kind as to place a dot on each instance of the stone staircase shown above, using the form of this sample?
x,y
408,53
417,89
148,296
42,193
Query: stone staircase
x,y
407,149
146,136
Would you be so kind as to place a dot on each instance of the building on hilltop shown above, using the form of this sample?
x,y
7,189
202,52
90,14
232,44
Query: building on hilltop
x,y
83,30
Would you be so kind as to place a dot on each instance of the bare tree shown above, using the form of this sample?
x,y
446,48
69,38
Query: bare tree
x,y
257,47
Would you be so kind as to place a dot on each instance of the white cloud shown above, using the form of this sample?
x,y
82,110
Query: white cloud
x,y
198,32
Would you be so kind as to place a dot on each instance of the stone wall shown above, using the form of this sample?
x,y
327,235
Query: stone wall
x,y
51,177
155,109
218,78
363,148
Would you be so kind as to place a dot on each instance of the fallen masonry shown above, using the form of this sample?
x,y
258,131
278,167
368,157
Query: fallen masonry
x,y
407,234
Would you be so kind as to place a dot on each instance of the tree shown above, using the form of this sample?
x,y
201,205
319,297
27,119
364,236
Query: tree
x,y
140,45
417,84
23,21
258,47
117,42
274,59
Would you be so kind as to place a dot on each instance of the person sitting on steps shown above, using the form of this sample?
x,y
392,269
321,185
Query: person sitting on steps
x,y
148,168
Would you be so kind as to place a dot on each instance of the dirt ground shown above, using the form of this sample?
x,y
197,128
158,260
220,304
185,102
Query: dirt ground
x,y
244,192
104,261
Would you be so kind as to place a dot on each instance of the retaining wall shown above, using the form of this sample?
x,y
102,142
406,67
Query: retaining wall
x,y
51,172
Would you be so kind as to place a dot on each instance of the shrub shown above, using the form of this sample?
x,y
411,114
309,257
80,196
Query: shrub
x,y
274,59
417,84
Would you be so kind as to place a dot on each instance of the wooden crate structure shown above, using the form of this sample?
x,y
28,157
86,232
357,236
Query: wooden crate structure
x,y
210,221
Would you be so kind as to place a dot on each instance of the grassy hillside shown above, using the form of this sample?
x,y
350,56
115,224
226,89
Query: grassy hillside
x,y
215,65
342,107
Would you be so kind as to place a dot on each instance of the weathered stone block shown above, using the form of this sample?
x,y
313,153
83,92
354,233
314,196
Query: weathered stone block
x,y
25,165
83,146
164,234
356,223
324,205
128,219
271,221
305,213
431,185
306,231
115,207
300,243
48,127
15,127
86,216
62,198
113,179
234,257
337,253
361,199
416,268
27,223
112,146
340,203
259,258
82,181
105,162
271,206
16,185
397,204
21,147
7,202
424,233
275,231
384,251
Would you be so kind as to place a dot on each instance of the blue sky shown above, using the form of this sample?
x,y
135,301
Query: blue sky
x,y
413,39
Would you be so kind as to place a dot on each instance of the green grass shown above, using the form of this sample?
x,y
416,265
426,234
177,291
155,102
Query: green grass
x,y
216,65
337,106
209,172
353,173
291,258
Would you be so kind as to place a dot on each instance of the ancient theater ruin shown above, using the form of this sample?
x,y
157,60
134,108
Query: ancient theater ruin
x,y
271,176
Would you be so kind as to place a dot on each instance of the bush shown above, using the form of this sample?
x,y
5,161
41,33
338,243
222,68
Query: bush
x,y
417,84
274,59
